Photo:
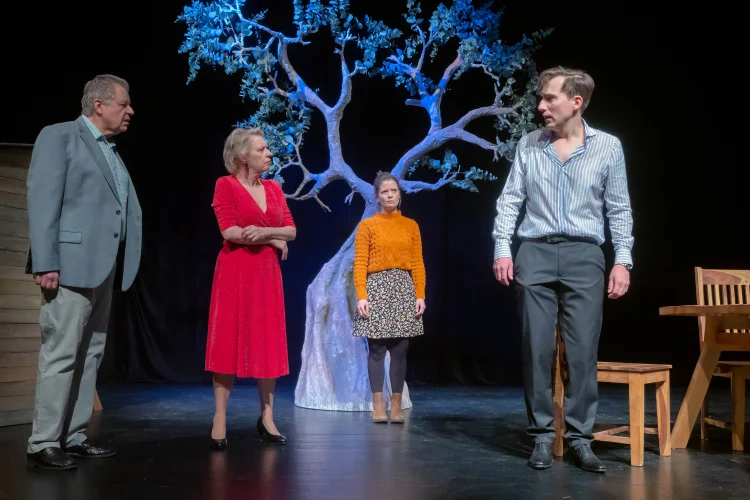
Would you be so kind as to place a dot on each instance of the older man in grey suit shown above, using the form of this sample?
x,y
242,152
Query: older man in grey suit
x,y
84,230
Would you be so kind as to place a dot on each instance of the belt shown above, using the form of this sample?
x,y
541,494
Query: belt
x,y
561,238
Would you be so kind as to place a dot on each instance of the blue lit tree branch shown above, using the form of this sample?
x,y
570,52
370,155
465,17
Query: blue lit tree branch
x,y
220,35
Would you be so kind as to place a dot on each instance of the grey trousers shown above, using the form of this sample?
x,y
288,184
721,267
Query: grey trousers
x,y
74,331
565,281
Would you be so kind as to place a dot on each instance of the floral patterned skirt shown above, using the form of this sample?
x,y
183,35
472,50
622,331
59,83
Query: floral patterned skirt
x,y
393,307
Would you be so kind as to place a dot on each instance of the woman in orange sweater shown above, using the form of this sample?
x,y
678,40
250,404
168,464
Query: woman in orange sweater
x,y
389,278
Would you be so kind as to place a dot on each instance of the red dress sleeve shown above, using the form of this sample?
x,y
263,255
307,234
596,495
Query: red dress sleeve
x,y
224,204
288,221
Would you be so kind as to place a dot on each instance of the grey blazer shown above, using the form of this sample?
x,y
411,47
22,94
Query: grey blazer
x,y
74,210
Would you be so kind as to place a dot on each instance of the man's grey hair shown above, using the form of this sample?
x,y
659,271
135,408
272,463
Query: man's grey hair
x,y
102,88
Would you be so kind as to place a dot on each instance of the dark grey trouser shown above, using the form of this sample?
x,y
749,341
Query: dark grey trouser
x,y
564,280
74,331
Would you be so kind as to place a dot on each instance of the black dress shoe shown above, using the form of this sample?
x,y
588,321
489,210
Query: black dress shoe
x,y
541,457
87,450
218,444
582,456
52,459
267,436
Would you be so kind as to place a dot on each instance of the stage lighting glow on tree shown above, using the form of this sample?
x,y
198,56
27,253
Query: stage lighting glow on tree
x,y
224,34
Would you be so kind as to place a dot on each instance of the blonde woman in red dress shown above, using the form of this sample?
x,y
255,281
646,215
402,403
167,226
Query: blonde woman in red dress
x,y
247,324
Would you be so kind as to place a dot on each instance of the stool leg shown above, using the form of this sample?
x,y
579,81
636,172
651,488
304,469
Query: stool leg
x,y
559,399
97,403
702,418
738,412
663,417
637,415
559,424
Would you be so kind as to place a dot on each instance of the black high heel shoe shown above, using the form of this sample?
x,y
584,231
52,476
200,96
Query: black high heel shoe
x,y
267,436
218,444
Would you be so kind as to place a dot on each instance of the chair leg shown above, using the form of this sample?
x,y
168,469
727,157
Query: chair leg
x,y
738,412
637,416
663,417
702,419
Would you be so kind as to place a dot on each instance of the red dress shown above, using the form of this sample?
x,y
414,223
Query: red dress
x,y
246,324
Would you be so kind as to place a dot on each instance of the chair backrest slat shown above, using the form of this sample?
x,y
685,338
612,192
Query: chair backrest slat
x,y
717,287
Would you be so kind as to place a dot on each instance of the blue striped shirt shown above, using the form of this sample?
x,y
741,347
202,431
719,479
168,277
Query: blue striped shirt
x,y
567,198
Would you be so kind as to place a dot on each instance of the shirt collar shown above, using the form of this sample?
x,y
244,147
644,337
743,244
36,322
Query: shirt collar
x,y
588,132
97,133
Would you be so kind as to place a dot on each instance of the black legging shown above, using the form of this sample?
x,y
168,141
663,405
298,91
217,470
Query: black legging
x,y
376,363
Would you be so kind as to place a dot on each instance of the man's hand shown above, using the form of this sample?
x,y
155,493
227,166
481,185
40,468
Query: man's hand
x,y
48,281
619,281
503,268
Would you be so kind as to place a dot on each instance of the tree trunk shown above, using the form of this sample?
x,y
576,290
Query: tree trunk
x,y
334,362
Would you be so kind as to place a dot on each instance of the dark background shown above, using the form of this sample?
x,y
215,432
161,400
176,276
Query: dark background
x,y
661,87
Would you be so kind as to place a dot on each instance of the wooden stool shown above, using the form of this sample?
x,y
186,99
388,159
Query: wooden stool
x,y
636,376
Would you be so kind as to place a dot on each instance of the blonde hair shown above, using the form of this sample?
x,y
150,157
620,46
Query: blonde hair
x,y
238,144
576,82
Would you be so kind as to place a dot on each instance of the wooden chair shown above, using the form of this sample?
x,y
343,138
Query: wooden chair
x,y
725,287
636,375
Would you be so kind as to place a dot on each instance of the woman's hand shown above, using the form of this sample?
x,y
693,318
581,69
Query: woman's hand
x,y
421,306
255,233
281,246
363,307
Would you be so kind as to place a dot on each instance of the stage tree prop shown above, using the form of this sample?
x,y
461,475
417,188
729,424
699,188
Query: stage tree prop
x,y
224,34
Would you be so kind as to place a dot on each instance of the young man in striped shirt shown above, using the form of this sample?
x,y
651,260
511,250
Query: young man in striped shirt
x,y
567,173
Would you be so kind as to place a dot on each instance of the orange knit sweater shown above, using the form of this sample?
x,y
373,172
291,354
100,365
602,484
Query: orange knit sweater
x,y
388,241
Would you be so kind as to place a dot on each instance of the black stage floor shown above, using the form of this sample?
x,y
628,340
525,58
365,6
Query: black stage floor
x,y
457,443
